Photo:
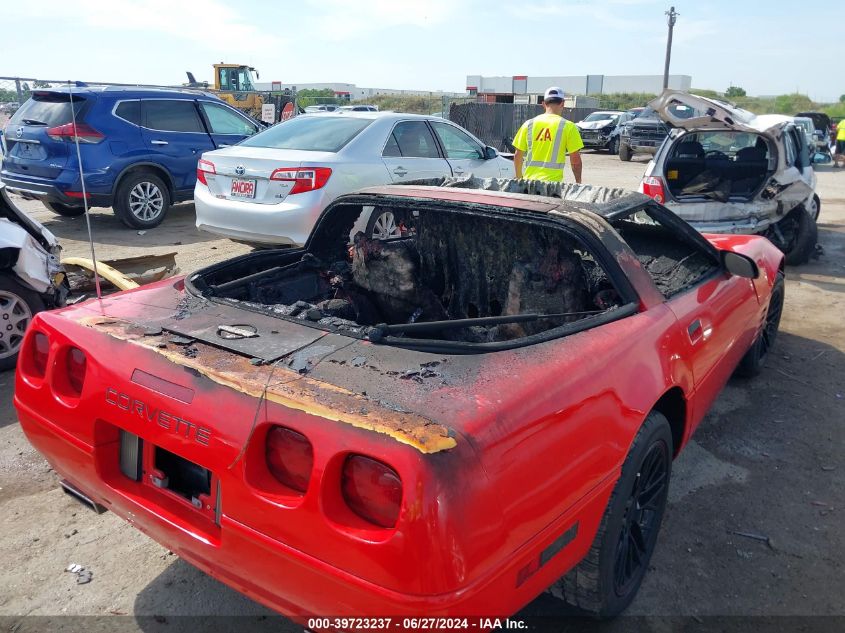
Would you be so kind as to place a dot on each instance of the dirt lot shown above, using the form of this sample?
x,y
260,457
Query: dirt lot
x,y
767,460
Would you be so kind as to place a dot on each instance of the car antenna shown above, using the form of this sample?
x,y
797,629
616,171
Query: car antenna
x,y
84,193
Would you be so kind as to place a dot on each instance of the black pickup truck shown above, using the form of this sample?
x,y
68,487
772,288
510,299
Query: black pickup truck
x,y
641,135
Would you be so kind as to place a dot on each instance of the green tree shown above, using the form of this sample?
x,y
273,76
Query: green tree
x,y
735,91
841,98
313,96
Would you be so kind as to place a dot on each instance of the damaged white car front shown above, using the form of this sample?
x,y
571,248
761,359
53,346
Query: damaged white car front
x,y
726,170
31,276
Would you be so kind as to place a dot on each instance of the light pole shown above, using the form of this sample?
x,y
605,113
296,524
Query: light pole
x,y
672,16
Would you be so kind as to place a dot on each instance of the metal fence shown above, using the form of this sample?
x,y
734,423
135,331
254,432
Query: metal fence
x,y
496,123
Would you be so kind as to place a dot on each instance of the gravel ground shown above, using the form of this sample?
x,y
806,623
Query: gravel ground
x,y
767,460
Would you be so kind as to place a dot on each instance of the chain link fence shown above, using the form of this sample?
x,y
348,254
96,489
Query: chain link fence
x,y
497,123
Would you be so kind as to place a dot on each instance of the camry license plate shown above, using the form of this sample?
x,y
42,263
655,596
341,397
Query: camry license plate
x,y
243,188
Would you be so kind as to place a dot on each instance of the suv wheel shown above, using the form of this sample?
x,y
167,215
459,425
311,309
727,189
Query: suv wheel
x,y
64,209
18,304
624,152
142,200
613,146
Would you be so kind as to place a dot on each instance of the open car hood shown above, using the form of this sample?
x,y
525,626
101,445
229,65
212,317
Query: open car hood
x,y
691,112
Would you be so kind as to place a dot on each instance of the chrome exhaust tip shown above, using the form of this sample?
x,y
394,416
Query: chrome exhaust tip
x,y
81,497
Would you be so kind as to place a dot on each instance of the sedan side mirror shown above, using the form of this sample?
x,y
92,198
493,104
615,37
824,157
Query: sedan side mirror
x,y
490,153
740,265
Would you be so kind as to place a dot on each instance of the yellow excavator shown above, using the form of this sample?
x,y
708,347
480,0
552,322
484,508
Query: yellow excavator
x,y
234,84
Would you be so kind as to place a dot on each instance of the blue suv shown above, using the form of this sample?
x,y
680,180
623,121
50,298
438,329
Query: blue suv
x,y
139,147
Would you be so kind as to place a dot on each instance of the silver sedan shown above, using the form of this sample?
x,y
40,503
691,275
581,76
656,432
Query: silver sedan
x,y
272,187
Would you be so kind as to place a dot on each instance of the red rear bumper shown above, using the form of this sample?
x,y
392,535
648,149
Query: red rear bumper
x,y
288,580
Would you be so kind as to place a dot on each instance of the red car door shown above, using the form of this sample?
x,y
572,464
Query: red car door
x,y
717,319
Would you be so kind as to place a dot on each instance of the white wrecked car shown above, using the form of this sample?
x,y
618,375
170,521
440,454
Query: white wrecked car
x,y
31,277
595,130
726,170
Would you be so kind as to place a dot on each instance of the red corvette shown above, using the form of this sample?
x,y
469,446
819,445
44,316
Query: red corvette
x,y
448,422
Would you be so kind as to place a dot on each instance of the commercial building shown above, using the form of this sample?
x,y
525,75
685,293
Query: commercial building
x,y
525,89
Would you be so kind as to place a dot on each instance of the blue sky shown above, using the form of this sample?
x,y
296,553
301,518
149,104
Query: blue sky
x,y
767,47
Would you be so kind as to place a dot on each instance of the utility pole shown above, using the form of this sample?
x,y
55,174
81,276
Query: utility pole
x,y
671,17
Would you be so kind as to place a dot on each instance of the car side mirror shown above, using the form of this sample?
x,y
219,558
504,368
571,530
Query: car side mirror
x,y
490,153
740,265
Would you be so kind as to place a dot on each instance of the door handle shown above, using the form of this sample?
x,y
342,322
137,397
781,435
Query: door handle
x,y
458,171
695,331
158,142
224,145
400,171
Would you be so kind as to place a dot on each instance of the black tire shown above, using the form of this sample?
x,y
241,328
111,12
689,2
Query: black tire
x,y
600,584
624,152
141,200
755,357
381,221
18,304
795,235
613,145
64,209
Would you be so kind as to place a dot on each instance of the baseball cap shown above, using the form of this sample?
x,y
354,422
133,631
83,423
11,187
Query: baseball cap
x,y
553,93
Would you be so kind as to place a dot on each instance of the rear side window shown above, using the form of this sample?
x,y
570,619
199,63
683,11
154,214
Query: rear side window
x,y
171,115
129,111
415,140
316,134
674,262
223,121
48,108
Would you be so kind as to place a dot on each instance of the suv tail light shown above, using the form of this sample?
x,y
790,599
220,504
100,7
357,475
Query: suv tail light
x,y
76,365
290,457
304,178
372,490
205,167
40,353
653,188
84,132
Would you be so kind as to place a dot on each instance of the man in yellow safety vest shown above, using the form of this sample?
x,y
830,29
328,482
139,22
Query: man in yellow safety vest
x,y
543,143
839,150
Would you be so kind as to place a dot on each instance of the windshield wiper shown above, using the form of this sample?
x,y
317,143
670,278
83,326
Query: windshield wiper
x,y
383,329
33,122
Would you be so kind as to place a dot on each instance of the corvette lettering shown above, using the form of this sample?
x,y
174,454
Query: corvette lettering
x,y
151,415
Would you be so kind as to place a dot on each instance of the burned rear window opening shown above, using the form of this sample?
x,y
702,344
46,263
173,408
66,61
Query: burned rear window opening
x,y
450,264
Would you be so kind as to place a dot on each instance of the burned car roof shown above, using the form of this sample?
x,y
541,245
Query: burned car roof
x,y
527,195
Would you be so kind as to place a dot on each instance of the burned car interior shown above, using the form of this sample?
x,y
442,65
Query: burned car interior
x,y
719,165
464,278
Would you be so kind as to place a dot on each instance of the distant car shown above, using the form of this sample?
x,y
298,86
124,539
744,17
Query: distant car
x,y
596,129
139,148
642,135
9,107
359,108
622,124
31,277
725,170
321,107
271,188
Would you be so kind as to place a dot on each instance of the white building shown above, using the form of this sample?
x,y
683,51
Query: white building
x,y
525,89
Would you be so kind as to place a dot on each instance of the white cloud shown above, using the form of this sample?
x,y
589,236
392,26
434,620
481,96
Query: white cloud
x,y
208,23
349,19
